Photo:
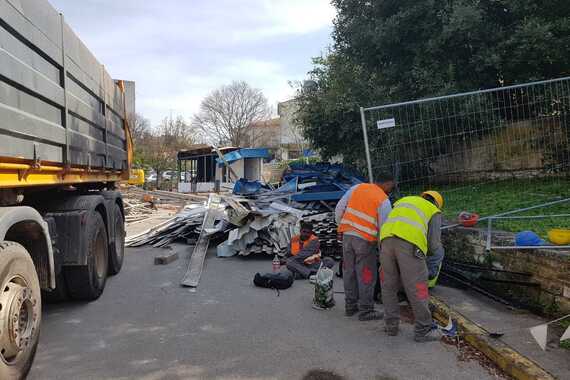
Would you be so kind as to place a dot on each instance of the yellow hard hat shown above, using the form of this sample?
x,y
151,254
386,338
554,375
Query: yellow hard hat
x,y
435,195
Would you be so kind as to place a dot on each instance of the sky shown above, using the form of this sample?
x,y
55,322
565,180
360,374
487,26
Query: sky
x,y
178,51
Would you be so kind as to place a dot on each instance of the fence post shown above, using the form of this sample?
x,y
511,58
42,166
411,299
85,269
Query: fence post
x,y
366,147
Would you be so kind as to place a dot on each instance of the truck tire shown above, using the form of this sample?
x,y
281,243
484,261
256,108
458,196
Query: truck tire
x,y
117,254
20,311
86,283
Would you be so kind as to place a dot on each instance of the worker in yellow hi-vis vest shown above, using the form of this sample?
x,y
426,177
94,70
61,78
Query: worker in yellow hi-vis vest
x,y
411,233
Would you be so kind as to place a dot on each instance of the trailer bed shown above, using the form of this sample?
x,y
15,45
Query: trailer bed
x,y
63,119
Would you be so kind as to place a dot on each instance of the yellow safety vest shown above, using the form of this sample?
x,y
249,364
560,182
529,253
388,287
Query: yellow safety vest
x,y
409,221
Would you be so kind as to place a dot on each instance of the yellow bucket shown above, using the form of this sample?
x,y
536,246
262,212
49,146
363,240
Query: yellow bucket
x,y
559,236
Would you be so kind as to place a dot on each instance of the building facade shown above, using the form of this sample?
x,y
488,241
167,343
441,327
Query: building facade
x,y
292,143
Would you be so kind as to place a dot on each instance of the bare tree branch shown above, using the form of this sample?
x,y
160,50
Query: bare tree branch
x,y
227,112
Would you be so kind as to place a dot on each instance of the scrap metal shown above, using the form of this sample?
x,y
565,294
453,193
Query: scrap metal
x,y
194,272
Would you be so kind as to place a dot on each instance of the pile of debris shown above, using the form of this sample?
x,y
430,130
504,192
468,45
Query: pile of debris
x,y
266,231
260,219
137,209
186,225
325,227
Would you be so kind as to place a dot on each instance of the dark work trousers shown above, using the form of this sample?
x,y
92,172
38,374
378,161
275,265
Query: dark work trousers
x,y
360,263
296,265
403,265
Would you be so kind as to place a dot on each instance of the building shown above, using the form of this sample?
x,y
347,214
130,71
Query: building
x,y
200,168
292,143
244,163
265,134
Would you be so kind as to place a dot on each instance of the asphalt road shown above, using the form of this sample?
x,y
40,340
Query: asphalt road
x,y
145,326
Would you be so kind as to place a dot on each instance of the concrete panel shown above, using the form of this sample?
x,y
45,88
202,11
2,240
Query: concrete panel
x,y
115,127
79,141
13,97
16,122
86,129
83,94
42,15
31,59
25,76
115,141
28,56
20,19
14,146
130,100
77,107
78,53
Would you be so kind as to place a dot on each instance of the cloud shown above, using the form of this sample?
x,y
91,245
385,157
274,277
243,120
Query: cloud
x,y
178,51
291,17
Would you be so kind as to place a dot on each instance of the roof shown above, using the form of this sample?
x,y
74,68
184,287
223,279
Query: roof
x,y
244,153
196,150
200,150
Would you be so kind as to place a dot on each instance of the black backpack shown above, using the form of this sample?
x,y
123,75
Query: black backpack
x,y
281,280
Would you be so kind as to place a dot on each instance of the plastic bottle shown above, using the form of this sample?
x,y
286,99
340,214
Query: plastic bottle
x,y
276,264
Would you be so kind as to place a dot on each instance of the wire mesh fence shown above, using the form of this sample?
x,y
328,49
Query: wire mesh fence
x,y
487,151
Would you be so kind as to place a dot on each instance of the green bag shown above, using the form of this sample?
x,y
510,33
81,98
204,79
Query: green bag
x,y
324,293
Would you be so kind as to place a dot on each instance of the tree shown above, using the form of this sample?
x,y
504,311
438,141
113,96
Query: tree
x,y
156,149
227,112
396,50
140,128
140,132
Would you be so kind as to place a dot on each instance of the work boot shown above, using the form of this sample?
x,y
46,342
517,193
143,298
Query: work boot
x,y
392,330
370,315
434,335
350,311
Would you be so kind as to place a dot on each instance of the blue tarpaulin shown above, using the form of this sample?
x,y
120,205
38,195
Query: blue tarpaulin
x,y
245,187
331,181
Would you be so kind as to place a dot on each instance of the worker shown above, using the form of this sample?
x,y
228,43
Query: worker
x,y
304,256
359,215
412,231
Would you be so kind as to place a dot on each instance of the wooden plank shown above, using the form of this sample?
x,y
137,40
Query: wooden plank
x,y
165,259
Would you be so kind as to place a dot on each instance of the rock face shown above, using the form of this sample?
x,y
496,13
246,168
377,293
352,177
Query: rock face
x,y
548,268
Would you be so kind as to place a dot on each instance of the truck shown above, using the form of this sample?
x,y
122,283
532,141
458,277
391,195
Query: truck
x,y
65,145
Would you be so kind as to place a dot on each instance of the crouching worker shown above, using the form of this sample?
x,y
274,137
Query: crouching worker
x,y
411,232
304,256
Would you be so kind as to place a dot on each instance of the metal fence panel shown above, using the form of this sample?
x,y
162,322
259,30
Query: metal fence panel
x,y
515,138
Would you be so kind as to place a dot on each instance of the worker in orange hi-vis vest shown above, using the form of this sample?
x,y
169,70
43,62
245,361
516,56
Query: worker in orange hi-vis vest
x,y
359,215
304,256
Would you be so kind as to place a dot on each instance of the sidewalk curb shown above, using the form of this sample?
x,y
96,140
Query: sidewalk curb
x,y
510,361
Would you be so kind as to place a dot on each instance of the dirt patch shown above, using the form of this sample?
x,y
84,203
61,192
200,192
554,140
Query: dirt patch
x,y
466,353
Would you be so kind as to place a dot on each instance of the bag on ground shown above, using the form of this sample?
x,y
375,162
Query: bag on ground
x,y
281,280
324,293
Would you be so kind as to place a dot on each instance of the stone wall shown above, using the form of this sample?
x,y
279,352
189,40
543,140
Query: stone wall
x,y
517,149
549,268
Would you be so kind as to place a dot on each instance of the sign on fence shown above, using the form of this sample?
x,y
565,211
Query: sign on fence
x,y
386,123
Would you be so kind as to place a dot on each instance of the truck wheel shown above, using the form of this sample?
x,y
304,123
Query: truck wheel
x,y
87,282
117,255
20,311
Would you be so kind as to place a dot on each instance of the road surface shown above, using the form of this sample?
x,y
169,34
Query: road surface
x,y
145,326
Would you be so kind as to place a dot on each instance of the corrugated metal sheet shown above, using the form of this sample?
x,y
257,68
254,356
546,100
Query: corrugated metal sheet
x,y
244,153
57,103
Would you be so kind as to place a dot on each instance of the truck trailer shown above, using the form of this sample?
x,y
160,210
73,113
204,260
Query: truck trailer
x,y
64,147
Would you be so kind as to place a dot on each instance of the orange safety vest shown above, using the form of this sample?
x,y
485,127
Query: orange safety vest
x,y
297,244
361,214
